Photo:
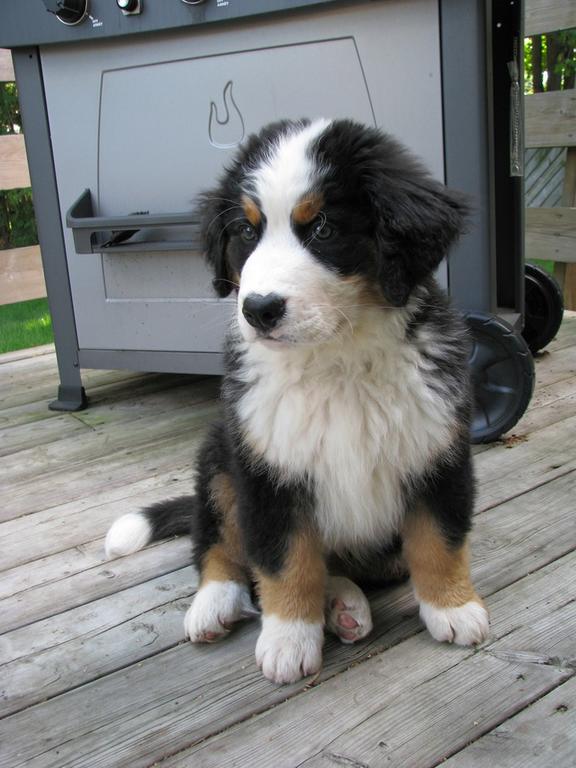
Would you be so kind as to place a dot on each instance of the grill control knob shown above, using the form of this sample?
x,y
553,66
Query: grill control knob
x,y
69,12
128,6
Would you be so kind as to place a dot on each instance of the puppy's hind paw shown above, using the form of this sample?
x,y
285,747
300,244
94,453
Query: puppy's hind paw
x,y
348,612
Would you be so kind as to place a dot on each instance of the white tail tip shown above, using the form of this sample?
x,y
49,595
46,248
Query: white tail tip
x,y
128,534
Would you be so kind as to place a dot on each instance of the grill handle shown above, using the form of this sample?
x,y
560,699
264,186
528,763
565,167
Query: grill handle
x,y
136,232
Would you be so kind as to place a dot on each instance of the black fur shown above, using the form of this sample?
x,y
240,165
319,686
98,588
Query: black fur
x,y
172,517
399,213
392,225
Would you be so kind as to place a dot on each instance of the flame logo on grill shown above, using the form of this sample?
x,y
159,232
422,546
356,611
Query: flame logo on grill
x,y
229,131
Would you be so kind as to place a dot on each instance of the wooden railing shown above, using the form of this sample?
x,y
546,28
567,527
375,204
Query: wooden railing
x,y
543,16
21,276
550,120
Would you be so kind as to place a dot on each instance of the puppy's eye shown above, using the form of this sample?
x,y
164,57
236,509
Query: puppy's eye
x,y
322,230
247,232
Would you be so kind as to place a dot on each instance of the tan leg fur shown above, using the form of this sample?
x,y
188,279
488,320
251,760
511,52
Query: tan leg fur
x,y
297,592
440,573
225,560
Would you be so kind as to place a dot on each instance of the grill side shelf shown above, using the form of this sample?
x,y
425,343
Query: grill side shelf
x,y
134,232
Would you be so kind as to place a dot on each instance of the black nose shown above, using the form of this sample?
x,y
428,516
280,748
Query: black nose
x,y
263,312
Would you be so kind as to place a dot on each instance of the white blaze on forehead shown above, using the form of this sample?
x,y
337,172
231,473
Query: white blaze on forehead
x,y
286,173
279,261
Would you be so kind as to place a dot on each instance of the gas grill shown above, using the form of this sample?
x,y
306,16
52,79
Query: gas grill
x,y
131,107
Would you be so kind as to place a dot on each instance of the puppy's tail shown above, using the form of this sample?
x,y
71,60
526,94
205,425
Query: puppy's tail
x,y
135,530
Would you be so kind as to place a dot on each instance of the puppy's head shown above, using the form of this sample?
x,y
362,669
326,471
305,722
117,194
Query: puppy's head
x,y
312,220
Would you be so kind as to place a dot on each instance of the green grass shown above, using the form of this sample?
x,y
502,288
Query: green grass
x,y
25,324
547,266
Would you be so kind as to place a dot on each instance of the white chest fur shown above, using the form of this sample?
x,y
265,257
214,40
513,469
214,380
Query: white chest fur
x,y
355,417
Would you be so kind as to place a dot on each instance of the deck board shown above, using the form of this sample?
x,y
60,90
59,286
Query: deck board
x,y
94,670
543,734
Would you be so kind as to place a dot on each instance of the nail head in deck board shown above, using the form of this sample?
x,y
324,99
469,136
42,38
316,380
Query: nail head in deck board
x,y
544,734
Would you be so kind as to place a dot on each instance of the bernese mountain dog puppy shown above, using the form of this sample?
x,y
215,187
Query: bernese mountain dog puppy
x,y
342,455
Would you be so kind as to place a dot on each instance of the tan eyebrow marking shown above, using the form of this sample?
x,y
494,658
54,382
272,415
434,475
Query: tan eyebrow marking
x,y
307,209
251,211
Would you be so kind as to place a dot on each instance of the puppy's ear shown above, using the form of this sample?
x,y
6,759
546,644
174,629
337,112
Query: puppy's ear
x,y
417,220
215,240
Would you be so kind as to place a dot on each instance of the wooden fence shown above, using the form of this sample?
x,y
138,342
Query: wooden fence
x,y
21,275
544,176
550,120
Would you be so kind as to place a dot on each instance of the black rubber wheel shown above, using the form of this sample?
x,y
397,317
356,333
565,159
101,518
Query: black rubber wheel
x,y
502,376
543,308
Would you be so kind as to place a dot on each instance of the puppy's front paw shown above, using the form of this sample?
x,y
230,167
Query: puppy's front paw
x,y
217,606
466,624
289,650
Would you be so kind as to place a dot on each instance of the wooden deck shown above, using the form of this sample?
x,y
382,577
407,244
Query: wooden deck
x,y
94,669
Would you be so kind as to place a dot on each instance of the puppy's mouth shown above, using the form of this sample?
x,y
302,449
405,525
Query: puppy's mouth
x,y
281,341
273,344
268,340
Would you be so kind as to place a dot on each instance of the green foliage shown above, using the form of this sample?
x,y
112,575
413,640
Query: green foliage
x,y
25,324
566,64
17,222
550,61
10,120
528,68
